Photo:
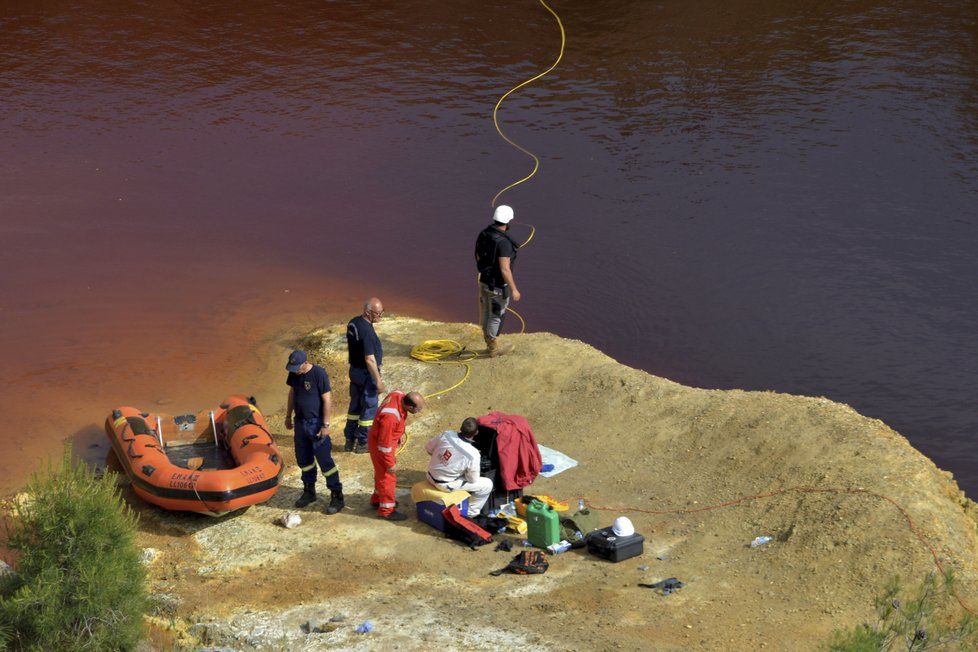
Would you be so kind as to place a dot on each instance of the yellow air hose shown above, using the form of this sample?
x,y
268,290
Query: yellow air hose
x,y
441,351
495,120
536,161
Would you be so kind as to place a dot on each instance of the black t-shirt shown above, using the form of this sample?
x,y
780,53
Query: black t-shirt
x,y
308,390
491,245
361,341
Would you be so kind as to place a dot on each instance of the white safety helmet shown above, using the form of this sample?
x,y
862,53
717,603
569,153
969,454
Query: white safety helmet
x,y
503,214
623,527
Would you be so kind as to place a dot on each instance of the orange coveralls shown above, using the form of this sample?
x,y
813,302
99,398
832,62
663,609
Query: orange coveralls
x,y
382,442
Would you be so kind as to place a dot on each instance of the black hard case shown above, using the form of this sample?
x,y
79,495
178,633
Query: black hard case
x,y
605,543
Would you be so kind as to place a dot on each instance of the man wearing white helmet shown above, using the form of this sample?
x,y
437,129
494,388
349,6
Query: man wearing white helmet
x,y
495,255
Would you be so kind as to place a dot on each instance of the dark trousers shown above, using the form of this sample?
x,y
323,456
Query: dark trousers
x,y
310,449
363,405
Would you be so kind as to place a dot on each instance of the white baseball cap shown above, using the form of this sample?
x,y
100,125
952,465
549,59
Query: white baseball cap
x,y
503,214
623,527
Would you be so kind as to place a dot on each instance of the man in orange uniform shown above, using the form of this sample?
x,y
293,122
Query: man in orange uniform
x,y
385,436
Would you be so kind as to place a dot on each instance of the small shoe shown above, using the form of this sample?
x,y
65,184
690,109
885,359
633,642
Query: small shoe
x,y
348,447
361,449
395,516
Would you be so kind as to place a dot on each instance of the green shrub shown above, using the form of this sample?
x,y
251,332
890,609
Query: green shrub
x,y
80,579
929,620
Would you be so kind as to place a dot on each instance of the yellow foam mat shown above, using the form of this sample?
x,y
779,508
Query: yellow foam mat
x,y
553,502
424,490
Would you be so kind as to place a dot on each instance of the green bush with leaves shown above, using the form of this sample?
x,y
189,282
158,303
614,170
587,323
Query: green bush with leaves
x,y
929,620
80,581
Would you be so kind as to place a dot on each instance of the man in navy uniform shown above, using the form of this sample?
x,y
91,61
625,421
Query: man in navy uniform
x,y
366,356
309,399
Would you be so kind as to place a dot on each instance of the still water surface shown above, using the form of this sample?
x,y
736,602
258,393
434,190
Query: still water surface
x,y
760,195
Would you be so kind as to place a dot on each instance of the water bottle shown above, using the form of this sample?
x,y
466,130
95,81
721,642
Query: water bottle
x,y
580,505
760,541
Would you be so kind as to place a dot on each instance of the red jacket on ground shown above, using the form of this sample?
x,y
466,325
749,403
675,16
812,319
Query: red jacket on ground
x,y
519,456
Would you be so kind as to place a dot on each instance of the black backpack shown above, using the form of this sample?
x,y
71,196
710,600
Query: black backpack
x,y
527,562
486,246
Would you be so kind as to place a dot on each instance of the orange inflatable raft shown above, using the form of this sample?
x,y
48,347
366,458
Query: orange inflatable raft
x,y
213,462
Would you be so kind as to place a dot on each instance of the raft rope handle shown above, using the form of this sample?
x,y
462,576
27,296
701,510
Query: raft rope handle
x,y
799,489
131,452
126,426
193,485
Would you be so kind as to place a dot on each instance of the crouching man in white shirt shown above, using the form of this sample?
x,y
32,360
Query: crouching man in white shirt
x,y
455,465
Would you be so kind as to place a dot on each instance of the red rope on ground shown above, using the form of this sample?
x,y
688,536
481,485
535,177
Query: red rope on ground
x,y
836,490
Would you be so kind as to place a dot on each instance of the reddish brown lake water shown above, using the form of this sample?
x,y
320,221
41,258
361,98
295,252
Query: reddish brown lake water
x,y
757,195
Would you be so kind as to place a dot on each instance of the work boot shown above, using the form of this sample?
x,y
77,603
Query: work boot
x,y
348,447
496,349
336,502
308,495
395,516
361,448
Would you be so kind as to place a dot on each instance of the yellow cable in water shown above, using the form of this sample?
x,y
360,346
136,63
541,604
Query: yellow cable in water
x,y
536,161
495,120
436,351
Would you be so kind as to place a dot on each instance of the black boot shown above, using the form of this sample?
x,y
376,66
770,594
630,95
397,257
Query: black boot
x,y
308,495
336,502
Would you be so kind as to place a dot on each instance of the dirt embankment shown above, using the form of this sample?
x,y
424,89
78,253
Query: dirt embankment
x,y
826,483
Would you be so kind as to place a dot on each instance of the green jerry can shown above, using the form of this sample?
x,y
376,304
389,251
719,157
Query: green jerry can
x,y
542,524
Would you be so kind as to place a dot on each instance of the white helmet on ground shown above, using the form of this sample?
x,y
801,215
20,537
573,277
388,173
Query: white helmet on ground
x,y
623,527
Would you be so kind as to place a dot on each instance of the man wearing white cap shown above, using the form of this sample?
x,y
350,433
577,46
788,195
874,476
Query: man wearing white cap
x,y
495,255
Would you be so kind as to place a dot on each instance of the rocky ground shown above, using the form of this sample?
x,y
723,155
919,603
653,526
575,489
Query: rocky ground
x,y
700,473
